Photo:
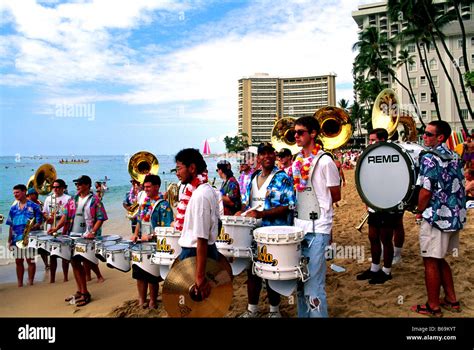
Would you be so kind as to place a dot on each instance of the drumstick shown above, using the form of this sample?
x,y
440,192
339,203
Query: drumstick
x,y
254,208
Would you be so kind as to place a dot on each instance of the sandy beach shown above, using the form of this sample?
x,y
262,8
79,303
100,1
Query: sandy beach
x,y
347,297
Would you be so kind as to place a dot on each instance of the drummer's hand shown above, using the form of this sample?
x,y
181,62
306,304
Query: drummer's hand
x,y
134,238
90,235
202,287
239,213
52,231
146,238
255,214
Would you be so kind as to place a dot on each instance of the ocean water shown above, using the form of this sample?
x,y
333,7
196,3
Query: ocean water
x,y
14,171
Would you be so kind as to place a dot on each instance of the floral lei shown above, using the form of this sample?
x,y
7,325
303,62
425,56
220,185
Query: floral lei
x,y
184,199
145,215
301,169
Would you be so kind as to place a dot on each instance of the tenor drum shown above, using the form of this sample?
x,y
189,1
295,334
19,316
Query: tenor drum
x,y
44,244
85,248
278,252
104,241
386,175
118,256
33,238
167,248
62,247
141,254
235,238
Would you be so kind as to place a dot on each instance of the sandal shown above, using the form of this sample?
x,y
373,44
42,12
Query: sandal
x,y
453,307
84,300
427,310
75,296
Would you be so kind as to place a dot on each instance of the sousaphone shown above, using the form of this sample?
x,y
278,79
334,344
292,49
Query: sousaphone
x,y
336,128
283,135
141,164
386,113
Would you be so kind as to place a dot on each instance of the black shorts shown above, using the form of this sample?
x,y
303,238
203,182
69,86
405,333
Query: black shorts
x,y
384,219
140,274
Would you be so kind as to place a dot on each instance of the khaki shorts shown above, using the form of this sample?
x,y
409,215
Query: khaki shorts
x,y
435,243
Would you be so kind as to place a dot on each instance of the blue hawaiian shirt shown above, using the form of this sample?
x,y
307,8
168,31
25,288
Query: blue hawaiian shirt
x,y
17,218
162,216
445,180
279,193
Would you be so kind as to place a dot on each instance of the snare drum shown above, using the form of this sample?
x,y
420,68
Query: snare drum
x,y
235,238
386,175
101,242
44,244
118,256
62,247
33,238
167,248
279,252
85,248
141,254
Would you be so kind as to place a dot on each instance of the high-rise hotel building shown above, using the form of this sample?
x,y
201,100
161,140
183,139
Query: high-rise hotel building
x,y
375,15
263,99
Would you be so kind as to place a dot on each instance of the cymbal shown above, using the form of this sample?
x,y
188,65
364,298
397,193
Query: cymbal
x,y
177,299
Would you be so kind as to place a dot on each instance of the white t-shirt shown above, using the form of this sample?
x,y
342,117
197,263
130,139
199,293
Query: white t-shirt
x,y
324,176
60,203
202,217
258,195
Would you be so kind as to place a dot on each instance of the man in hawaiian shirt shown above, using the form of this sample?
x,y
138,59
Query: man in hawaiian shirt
x,y
442,202
20,212
270,191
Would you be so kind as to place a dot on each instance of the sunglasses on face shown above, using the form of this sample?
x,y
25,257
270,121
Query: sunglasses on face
x,y
429,134
57,187
300,132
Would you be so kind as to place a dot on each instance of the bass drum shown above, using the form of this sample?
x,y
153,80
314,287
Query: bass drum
x,y
386,174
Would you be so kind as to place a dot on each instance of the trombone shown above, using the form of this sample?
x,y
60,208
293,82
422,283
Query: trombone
x,y
363,220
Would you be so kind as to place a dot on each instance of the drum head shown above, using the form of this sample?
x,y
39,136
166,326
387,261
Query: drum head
x,y
385,176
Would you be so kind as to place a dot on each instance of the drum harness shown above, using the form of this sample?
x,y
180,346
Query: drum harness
x,y
314,214
152,211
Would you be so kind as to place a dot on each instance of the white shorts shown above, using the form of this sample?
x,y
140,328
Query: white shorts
x,y
27,253
435,243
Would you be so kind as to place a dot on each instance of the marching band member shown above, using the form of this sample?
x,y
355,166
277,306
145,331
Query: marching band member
x,y
131,198
198,216
316,181
442,202
53,207
32,195
382,226
20,212
84,214
285,159
271,192
154,212
230,189
246,172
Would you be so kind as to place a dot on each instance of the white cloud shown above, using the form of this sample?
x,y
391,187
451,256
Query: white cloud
x,y
76,52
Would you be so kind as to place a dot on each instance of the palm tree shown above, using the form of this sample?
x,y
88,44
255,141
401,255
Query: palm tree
x,y
343,103
404,59
423,24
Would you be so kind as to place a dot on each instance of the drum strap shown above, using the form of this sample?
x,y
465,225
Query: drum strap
x,y
443,157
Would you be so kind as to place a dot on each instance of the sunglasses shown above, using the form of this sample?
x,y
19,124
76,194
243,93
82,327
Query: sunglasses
x,y
429,134
300,132
57,187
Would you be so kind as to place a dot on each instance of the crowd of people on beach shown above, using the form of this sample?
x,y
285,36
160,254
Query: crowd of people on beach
x,y
277,189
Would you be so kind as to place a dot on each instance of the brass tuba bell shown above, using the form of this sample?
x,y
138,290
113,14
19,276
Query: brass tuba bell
x,y
43,179
336,128
283,135
141,164
385,113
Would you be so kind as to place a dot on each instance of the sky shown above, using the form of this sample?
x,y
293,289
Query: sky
x,y
103,77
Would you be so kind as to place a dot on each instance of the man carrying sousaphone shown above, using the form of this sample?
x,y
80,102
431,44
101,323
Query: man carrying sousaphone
x,y
84,214
153,212
268,198
20,213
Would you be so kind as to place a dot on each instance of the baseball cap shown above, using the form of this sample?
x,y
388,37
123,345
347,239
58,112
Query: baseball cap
x,y
284,152
265,146
84,179
31,190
